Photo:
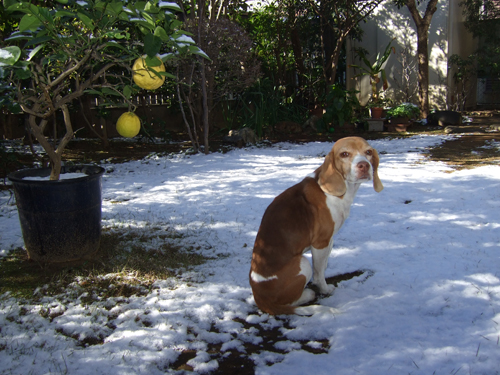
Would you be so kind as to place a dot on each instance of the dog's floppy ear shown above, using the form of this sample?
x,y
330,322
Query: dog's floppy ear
x,y
377,184
329,177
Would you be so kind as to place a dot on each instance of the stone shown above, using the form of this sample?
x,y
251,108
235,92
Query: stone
x,y
444,118
241,137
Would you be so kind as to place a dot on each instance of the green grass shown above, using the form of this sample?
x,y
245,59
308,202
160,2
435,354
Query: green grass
x,y
129,261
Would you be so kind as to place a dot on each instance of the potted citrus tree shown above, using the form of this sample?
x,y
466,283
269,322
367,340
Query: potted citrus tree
x,y
376,72
61,51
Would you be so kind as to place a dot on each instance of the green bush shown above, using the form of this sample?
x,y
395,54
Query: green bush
x,y
342,107
408,110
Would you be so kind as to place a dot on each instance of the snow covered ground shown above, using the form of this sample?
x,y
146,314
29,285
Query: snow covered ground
x,y
428,301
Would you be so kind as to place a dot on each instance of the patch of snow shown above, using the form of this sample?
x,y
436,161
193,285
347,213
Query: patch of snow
x,y
428,301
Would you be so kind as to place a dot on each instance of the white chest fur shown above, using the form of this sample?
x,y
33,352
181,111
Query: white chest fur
x,y
341,207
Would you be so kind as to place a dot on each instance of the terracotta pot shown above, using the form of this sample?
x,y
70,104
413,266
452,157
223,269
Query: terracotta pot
x,y
376,112
392,127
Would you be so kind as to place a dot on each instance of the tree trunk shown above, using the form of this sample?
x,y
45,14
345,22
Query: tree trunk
x,y
203,83
205,106
297,53
296,45
422,24
334,60
423,72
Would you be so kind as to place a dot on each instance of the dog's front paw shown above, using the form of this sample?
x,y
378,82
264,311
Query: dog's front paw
x,y
327,289
324,288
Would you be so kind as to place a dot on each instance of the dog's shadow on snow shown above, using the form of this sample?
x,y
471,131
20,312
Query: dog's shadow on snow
x,y
335,280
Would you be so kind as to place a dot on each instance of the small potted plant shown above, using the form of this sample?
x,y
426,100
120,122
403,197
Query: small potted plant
x,y
378,106
376,72
400,116
61,51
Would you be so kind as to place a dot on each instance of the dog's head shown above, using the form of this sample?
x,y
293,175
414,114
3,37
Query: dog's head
x,y
351,159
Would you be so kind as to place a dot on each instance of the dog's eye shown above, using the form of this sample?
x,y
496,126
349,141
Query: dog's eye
x,y
369,152
344,155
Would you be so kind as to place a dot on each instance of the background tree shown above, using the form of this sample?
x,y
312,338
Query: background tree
x,y
422,24
338,18
482,19
231,68
464,70
301,43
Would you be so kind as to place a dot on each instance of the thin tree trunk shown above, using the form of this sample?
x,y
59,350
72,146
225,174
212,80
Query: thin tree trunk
x,y
422,24
296,45
297,53
186,122
334,60
203,78
205,106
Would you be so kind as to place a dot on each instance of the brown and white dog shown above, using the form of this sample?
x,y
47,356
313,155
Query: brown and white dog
x,y
306,217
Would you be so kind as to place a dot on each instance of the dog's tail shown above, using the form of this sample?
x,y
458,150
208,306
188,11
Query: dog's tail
x,y
315,309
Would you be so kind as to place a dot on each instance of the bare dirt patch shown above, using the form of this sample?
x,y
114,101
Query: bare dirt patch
x,y
474,145
471,147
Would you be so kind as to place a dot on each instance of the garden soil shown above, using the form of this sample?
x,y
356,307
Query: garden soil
x,y
465,150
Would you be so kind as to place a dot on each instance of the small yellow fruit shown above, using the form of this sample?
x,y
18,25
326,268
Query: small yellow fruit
x,y
144,77
128,125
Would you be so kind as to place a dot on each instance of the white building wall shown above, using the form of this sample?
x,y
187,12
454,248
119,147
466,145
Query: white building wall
x,y
447,35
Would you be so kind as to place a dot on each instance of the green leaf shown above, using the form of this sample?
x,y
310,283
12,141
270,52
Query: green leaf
x,y
22,73
162,34
127,91
169,5
142,22
13,5
10,55
35,41
45,14
93,92
86,21
167,56
113,44
29,22
150,62
114,8
198,51
338,103
63,13
18,36
109,91
165,74
148,19
34,51
152,45
8,3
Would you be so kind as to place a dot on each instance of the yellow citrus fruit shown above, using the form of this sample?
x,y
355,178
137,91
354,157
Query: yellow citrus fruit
x,y
128,125
144,77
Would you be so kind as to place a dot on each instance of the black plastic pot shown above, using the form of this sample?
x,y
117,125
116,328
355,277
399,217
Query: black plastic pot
x,y
60,220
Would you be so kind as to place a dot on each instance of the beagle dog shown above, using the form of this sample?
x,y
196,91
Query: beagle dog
x,y
306,217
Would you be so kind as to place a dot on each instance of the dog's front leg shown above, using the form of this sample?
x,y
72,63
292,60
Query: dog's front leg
x,y
320,261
